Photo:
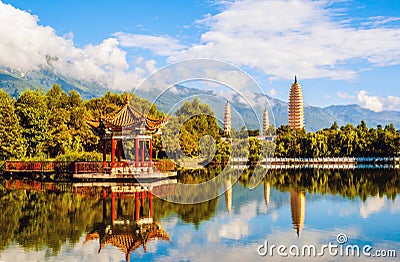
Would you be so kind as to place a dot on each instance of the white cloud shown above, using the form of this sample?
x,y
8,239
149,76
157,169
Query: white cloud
x,y
393,103
27,46
377,103
344,95
372,205
272,92
378,204
277,37
160,45
380,20
285,37
373,103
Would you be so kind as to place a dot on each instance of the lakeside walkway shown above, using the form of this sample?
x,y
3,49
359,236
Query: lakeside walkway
x,y
323,163
96,170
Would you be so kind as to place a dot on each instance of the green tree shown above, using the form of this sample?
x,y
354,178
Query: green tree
x,y
12,143
59,116
196,120
285,142
170,136
362,146
33,115
67,124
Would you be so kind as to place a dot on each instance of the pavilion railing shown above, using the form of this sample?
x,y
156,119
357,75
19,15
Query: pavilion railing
x,y
124,166
38,166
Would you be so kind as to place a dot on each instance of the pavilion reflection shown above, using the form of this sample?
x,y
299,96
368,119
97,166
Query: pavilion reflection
x,y
127,218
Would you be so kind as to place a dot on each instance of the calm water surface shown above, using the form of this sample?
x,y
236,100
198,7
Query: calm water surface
x,y
43,221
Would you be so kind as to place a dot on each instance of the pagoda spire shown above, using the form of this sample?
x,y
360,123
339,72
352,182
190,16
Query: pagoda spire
x,y
296,106
127,99
227,120
265,122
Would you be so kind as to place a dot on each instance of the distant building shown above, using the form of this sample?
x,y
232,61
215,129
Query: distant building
x,y
227,120
265,123
296,107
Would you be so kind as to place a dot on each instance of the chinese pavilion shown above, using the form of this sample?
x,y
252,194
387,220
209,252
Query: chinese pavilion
x,y
130,133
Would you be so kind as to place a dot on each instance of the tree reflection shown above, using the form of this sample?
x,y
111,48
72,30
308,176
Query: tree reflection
x,y
360,183
36,215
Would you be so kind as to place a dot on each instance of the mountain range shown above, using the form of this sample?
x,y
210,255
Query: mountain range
x,y
316,118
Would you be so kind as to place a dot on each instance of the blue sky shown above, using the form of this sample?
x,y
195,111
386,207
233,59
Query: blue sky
x,y
343,52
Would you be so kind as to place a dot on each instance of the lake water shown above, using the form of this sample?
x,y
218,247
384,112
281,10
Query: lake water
x,y
338,213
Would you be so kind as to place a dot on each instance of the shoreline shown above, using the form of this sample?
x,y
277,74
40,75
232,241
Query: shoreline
x,y
45,170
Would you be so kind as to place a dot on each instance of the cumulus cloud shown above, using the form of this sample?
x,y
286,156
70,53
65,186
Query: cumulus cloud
x,y
378,103
28,46
373,103
305,37
277,37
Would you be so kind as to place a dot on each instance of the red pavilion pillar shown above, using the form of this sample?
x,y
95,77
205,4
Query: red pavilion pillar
x,y
104,204
119,150
112,152
136,151
104,152
151,152
113,213
150,204
137,207
142,153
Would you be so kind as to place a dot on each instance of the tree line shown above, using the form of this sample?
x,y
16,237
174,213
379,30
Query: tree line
x,y
53,125
346,141
50,125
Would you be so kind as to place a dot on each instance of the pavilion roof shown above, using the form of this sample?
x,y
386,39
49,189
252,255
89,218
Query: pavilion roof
x,y
128,117
129,240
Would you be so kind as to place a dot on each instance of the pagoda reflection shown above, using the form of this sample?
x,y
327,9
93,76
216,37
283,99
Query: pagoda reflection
x,y
128,221
267,192
228,194
298,208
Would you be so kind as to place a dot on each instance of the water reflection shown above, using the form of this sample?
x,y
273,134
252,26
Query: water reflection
x,y
298,209
228,194
127,221
267,192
